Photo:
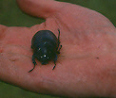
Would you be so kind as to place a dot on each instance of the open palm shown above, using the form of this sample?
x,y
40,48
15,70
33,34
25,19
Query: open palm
x,y
86,65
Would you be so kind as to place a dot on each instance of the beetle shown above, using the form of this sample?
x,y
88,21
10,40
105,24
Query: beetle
x,y
45,47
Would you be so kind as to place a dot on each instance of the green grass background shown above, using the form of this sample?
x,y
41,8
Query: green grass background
x,y
10,15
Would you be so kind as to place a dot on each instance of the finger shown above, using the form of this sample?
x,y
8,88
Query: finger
x,y
2,29
39,8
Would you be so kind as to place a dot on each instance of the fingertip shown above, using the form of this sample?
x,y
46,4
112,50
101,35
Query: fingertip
x,y
39,8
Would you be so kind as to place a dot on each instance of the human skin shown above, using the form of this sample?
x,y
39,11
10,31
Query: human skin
x,y
86,65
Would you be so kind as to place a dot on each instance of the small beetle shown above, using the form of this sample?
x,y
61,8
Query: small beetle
x,y
45,46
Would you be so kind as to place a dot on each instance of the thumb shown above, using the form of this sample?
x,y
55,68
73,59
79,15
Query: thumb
x,y
40,8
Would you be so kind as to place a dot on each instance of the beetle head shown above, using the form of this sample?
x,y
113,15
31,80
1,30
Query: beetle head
x,y
44,55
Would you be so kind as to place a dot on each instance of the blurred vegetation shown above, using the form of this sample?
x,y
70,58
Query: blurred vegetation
x,y
10,15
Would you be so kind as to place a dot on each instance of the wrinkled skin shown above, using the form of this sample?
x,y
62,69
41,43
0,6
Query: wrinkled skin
x,y
87,63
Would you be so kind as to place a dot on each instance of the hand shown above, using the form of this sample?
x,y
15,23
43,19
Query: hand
x,y
87,63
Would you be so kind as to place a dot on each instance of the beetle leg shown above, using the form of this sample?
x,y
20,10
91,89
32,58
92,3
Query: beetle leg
x,y
55,59
34,62
59,42
58,37
54,67
33,59
59,49
32,69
